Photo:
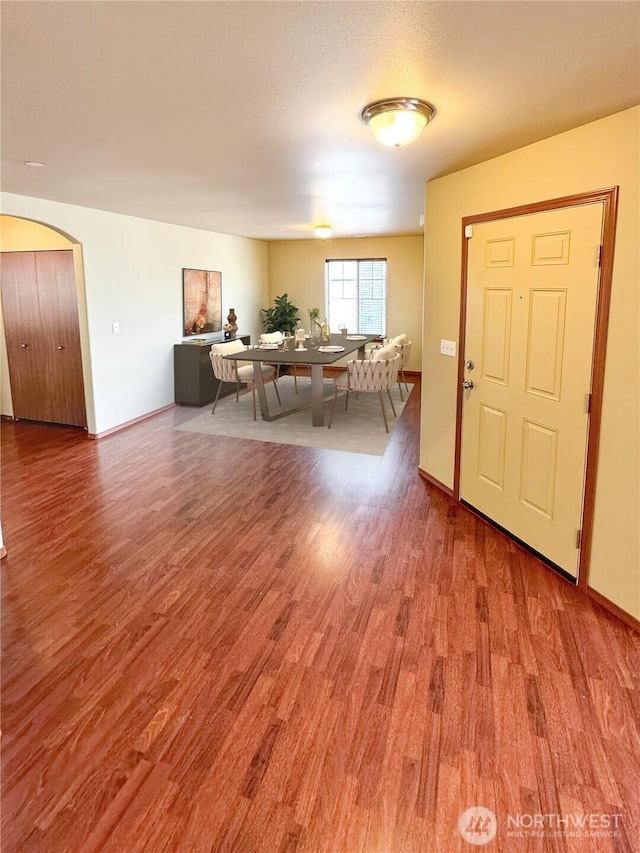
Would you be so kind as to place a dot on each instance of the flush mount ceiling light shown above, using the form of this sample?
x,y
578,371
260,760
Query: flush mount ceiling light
x,y
323,231
34,163
397,121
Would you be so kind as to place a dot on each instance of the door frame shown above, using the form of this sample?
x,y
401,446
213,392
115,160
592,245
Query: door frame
x,y
609,199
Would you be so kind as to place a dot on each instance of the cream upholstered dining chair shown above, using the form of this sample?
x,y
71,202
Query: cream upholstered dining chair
x,y
271,338
278,338
369,375
237,371
385,353
403,345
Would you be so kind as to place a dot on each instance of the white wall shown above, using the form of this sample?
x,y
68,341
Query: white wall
x,y
133,276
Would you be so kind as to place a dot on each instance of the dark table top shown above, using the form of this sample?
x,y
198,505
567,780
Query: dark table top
x,y
310,356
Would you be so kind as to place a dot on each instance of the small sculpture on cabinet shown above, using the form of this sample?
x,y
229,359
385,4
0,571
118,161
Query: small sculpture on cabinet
x,y
231,326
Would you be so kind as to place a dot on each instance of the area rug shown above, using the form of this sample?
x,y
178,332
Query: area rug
x,y
358,430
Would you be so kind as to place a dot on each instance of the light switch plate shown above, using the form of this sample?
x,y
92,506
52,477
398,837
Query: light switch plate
x,y
115,327
448,348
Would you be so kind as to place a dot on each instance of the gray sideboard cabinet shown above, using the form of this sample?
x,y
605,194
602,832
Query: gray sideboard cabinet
x,y
194,382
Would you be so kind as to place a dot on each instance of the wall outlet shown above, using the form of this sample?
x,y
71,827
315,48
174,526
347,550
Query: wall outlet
x,y
448,348
115,328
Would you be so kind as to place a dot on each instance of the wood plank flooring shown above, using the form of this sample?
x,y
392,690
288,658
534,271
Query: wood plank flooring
x,y
212,644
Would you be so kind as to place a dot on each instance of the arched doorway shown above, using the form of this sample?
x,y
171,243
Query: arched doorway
x,y
43,376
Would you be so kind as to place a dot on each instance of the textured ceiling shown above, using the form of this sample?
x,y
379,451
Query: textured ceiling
x,y
243,117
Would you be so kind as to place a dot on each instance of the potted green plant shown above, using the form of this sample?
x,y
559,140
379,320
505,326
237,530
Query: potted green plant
x,y
283,317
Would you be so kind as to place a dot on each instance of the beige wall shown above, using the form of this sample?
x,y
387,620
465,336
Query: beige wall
x,y
598,155
296,267
22,235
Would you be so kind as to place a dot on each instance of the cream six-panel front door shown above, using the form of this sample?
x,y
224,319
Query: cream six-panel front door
x,y
532,287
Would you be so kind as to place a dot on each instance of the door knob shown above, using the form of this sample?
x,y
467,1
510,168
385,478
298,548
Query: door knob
x,y
59,347
24,346
467,384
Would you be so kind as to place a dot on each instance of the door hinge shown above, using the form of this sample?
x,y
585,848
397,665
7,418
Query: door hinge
x,y
599,257
468,231
587,404
578,539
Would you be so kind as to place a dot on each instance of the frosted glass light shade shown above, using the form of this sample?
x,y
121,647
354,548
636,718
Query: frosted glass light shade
x,y
397,121
397,127
323,231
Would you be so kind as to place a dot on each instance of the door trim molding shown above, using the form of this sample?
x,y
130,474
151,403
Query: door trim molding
x,y
609,199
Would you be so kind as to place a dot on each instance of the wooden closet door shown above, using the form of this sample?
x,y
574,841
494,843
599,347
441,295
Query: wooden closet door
x,y
43,336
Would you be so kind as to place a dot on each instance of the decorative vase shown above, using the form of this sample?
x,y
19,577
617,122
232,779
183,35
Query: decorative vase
x,y
315,331
232,320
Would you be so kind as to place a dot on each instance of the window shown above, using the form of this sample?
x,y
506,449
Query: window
x,y
356,294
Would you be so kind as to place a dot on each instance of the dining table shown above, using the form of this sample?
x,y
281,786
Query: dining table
x,y
315,355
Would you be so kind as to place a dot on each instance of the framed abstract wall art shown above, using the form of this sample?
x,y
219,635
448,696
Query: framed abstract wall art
x,y
202,301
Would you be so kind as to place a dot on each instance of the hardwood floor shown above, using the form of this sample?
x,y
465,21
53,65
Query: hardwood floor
x,y
212,644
